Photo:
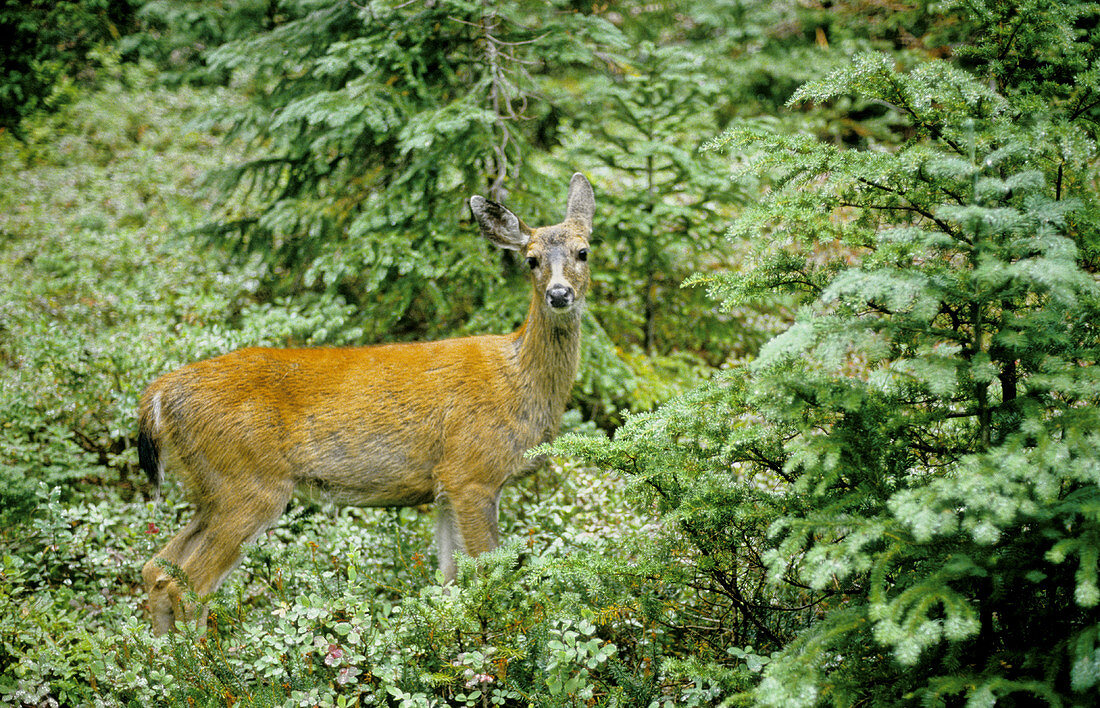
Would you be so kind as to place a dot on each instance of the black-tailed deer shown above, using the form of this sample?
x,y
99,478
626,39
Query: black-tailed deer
x,y
389,425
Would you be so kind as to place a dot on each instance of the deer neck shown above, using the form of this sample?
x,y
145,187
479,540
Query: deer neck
x,y
548,353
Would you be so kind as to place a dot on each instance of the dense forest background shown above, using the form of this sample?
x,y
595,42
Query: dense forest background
x,y
835,439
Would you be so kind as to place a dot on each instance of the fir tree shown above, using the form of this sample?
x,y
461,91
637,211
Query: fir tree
x,y
913,464
372,124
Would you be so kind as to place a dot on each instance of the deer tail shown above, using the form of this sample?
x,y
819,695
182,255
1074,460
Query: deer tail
x,y
148,443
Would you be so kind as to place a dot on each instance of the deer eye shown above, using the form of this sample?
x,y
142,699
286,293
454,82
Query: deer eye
x,y
532,262
582,255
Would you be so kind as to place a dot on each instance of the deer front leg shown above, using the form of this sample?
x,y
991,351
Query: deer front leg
x,y
447,538
466,522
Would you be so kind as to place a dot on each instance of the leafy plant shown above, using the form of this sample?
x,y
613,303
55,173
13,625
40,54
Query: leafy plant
x,y
96,295
50,45
908,465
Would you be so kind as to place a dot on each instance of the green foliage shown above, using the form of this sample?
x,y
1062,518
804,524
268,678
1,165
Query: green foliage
x,y
655,215
917,451
893,501
176,33
330,608
71,297
376,123
48,45
60,580
98,294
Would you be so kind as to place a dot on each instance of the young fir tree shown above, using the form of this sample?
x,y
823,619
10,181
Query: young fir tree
x,y
913,464
659,213
372,123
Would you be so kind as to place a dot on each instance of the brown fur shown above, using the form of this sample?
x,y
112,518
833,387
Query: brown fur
x,y
391,425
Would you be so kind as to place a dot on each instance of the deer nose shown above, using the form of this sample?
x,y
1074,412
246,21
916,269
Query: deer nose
x,y
559,296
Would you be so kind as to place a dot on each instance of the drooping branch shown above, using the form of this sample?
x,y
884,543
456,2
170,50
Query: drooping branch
x,y
508,102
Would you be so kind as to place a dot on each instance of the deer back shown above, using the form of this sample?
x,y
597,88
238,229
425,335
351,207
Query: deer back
x,y
372,425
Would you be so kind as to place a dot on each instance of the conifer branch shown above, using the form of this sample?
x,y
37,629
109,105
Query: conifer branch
x,y
1082,106
944,226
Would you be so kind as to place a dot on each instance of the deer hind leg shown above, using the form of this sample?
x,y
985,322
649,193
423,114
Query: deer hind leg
x,y
206,552
163,590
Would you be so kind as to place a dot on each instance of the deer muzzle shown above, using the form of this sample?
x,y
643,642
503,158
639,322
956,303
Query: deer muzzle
x,y
560,297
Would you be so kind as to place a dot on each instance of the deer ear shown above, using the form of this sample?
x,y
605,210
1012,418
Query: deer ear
x,y
581,203
499,225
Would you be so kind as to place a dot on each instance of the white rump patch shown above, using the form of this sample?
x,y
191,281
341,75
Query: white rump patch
x,y
156,411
